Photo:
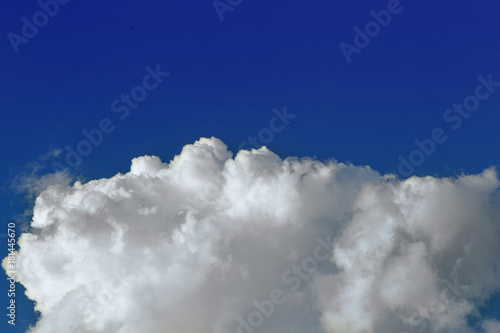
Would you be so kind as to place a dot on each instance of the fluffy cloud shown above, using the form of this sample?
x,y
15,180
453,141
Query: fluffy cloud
x,y
212,243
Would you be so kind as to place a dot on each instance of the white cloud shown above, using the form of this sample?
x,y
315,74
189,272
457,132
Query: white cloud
x,y
32,179
189,245
491,326
32,184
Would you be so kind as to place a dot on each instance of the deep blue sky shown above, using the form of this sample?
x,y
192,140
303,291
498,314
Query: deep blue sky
x,y
227,76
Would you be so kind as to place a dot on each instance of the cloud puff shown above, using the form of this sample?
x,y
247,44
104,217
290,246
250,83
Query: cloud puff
x,y
212,243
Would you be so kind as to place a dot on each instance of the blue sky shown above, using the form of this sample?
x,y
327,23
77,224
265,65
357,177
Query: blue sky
x,y
226,77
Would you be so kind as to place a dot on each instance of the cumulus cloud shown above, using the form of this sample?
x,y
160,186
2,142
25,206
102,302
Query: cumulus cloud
x,y
214,243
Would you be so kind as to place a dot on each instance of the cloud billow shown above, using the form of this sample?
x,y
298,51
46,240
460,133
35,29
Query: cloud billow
x,y
194,244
